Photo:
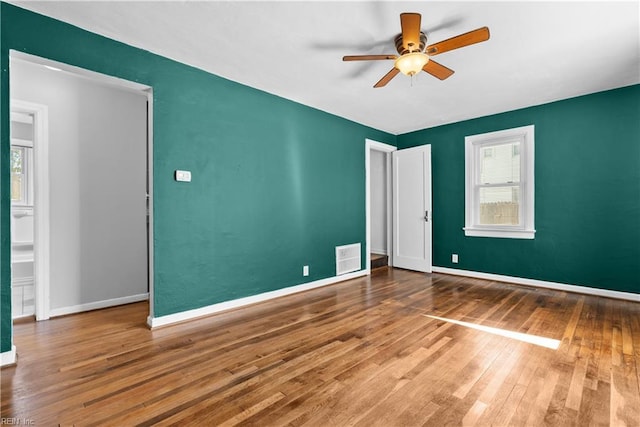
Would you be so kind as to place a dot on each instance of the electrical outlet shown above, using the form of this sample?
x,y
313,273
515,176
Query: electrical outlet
x,y
305,270
454,258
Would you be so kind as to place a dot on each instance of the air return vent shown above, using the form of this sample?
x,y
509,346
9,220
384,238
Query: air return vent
x,y
347,258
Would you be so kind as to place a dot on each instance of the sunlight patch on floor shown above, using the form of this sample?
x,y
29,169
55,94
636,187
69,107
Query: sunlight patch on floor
x,y
528,338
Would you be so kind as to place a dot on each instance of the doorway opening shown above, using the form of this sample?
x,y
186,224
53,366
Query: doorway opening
x,y
378,204
82,216
405,231
28,129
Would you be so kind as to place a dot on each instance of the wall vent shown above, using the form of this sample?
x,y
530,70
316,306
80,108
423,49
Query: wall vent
x,y
347,258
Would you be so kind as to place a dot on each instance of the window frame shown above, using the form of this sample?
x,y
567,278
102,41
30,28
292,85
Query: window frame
x,y
525,135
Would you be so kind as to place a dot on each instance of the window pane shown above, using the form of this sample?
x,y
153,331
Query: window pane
x,y
16,160
17,173
500,164
16,187
500,206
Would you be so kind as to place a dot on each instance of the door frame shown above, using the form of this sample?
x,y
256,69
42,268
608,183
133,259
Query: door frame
x,y
42,214
371,145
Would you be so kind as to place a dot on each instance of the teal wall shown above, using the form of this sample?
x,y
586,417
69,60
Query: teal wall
x,y
276,185
587,193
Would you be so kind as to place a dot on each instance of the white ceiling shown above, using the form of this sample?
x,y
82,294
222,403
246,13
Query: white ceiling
x,y
538,51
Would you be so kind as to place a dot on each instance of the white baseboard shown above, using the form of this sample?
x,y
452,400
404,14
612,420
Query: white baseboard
x,y
379,251
8,357
155,322
541,284
97,305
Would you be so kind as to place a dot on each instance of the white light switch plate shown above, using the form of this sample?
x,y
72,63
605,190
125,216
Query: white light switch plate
x,y
184,176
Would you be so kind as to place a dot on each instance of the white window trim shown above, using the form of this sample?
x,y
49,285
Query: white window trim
x,y
527,148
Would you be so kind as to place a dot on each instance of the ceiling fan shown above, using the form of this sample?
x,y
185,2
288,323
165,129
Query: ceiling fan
x,y
415,55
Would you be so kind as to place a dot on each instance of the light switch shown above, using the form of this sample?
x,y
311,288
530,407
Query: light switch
x,y
184,176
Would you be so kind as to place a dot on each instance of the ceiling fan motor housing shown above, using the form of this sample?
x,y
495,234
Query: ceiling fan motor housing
x,y
400,46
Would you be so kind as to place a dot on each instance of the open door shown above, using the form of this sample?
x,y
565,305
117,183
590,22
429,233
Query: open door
x,y
412,232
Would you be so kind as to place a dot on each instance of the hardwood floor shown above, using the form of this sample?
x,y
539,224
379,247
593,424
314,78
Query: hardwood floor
x,y
378,261
363,352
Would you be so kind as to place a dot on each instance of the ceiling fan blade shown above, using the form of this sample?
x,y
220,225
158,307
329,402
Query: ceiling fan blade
x,y
466,39
387,77
437,70
410,23
367,57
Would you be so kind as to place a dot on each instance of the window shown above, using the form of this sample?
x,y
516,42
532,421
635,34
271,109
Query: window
x,y
21,159
20,175
499,185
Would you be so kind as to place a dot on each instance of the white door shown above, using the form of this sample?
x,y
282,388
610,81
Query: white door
x,y
412,208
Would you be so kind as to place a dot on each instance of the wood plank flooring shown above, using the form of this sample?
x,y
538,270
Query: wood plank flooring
x,y
362,352
379,261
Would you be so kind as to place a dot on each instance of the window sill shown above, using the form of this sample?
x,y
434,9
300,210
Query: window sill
x,y
501,234
19,211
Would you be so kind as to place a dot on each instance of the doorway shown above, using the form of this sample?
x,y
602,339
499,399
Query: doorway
x,y
28,131
378,204
379,208
22,206
92,216
398,206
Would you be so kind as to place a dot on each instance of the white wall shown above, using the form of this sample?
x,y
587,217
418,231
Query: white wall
x,y
378,202
97,149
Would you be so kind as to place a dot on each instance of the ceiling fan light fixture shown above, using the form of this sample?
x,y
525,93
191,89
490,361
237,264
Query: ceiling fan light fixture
x,y
411,63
